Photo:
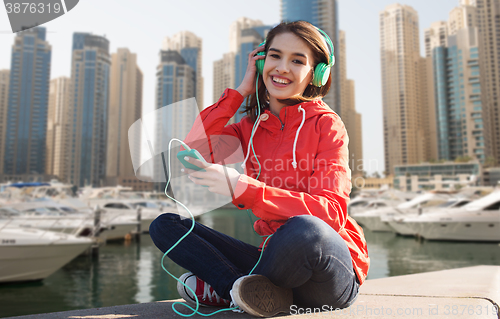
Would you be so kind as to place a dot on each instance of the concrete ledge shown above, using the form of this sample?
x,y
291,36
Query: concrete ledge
x,y
472,282
472,292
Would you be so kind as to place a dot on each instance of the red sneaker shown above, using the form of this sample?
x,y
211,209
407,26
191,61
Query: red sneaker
x,y
205,293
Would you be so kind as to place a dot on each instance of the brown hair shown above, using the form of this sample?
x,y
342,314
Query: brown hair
x,y
311,36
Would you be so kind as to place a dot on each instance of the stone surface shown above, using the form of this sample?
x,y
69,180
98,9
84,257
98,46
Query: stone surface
x,y
464,293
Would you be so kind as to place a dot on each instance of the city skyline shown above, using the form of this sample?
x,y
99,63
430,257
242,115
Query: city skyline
x,y
361,67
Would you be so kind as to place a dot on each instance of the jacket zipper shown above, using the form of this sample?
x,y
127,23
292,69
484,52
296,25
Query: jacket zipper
x,y
282,124
279,144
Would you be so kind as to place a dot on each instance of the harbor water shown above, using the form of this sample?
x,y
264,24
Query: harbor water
x,y
130,272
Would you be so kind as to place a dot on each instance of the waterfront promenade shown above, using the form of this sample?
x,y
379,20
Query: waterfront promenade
x,y
472,292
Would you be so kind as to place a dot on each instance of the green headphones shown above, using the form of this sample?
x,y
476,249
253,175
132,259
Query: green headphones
x,y
321,71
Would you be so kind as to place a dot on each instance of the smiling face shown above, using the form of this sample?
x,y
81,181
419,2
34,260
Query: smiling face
x,y
288,69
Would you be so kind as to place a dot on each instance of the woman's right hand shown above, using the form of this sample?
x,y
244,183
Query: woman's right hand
x,y
247,86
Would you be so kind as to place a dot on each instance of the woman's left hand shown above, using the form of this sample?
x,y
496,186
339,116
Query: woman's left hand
x,y
219,179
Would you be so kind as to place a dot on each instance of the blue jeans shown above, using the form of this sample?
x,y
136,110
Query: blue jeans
x,y
304,254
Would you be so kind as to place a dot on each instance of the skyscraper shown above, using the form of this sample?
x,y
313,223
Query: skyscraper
x,y
435,36
28,100
190,48
459,114
324,15
58,127
251,34
125,107
462,17
350,117
88,109
402,88
244,36
4,101
235,31
175,81
225,68
488,22
224,73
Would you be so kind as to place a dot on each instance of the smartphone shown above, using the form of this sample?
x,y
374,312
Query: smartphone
x,y
192,153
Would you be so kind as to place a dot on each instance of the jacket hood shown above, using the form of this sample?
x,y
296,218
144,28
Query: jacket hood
x,y
312,108
293,116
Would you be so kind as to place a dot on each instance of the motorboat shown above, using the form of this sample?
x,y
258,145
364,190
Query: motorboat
x,y
28,254
41,215
398,222
384,199
479,220
138,209
52,216
372,219
373,204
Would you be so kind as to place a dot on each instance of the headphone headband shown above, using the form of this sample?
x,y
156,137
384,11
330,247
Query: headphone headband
x,y
329,43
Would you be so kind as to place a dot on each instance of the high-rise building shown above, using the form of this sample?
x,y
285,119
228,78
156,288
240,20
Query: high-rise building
x,y
488,23
190,48
224,73
244,36
4,102
235,29
404,103
225,68
462,17
175,81
324,15
28,101
457,87
425,100
350,117
125,107
435,36
88,109
58,127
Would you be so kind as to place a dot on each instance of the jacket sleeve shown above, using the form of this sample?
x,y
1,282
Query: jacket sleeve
x,y
329,184
210,136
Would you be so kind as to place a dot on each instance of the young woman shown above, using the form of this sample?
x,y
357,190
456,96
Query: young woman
x,y
297,181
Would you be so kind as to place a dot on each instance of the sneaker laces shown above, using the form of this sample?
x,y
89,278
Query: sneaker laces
x,y
234,304
209,292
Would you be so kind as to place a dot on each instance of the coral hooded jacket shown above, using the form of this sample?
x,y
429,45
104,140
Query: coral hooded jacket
x,y
304,167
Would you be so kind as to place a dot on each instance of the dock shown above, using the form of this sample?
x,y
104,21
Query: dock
x,y
472,292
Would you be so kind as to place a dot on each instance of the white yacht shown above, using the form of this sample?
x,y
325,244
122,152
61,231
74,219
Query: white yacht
x,y
398,222
122,208
383,199
51,216
477,221
372,219
34,254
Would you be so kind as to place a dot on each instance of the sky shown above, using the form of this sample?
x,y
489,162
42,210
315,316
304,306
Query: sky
x,y
141,27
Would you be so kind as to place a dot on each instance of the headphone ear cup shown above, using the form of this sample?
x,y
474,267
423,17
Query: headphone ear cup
x,y
260,63
321,74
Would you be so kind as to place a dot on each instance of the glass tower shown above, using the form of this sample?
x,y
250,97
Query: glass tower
x,y
457,89
175,81
27,103
250,39
88,109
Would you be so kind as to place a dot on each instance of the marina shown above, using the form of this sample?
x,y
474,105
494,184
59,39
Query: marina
x,y
129,272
